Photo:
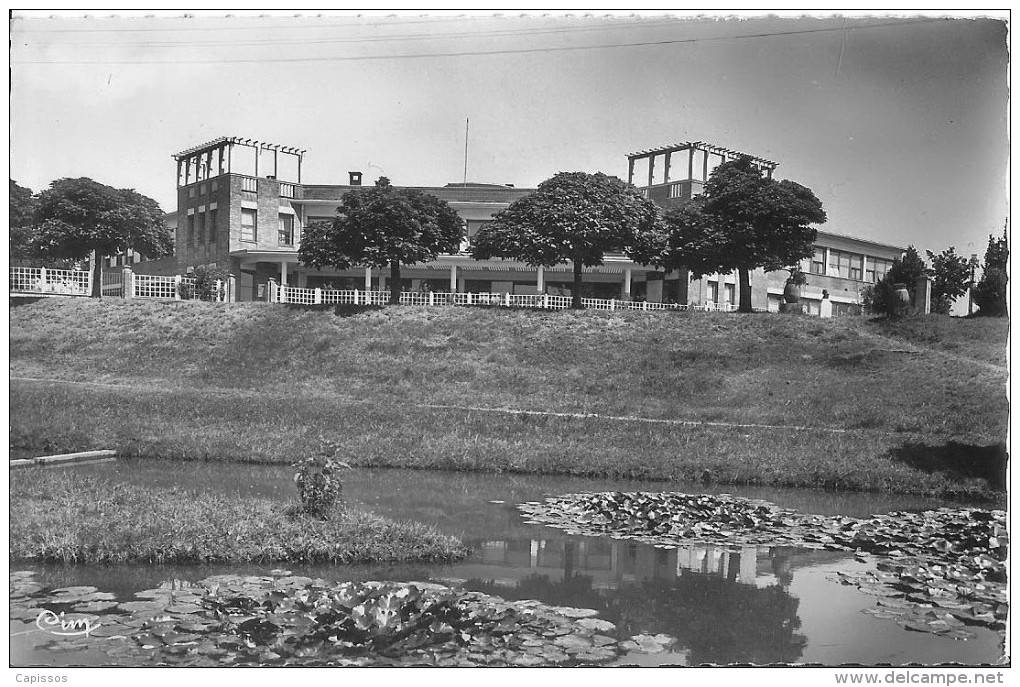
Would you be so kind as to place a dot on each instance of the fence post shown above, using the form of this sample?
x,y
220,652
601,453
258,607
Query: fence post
x,y
271,291
644,305
612,304
42,279
127,284
355,296
545,301
318,296
469,298
230,288
177,287
283,293
432,298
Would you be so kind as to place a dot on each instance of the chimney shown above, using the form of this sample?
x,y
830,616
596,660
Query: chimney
x,y
355,178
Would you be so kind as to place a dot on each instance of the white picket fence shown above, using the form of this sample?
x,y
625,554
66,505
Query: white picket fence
x,y
127,284
124,284
42,280
280,293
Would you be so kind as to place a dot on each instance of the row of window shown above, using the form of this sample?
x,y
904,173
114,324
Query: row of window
x,y
123,259
849,265
249,227
202,189
202,228
729,292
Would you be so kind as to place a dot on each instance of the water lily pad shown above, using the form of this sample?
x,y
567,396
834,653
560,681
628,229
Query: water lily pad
x,y
596,624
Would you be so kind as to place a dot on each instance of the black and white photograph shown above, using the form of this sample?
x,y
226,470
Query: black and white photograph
x,y
658,340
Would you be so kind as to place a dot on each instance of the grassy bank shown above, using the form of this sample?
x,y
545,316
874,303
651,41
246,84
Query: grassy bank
x,y
845,404
70,518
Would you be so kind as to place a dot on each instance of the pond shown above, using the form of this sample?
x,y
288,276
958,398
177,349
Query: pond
x,y
752,604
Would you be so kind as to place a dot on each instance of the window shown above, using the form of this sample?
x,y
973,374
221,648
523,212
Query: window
x,y
191,192
857,267
818,261
215,186
713,291
731,293
201,189
877,267
845,265
201,228
249,224
286,235
211,226
191,230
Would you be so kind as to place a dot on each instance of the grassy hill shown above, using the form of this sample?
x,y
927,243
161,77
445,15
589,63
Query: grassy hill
x,y
914,406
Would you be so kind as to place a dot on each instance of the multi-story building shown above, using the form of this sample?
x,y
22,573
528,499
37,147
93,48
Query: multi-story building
x,y
840,268
242,206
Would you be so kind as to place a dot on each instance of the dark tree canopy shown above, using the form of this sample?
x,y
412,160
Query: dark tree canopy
x,y
907,269
574,216
77,216
744,220
990,293
22,207
950,275
384,227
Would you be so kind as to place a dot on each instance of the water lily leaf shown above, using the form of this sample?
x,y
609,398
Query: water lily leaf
x,y
596,624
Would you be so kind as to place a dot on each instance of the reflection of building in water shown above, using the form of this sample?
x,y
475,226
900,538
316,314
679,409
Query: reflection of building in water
x,y
610,561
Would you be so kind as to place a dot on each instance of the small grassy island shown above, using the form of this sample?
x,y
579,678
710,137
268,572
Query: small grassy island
x,y
73,518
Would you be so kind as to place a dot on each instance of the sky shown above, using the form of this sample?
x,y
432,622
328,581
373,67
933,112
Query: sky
x,y
898,124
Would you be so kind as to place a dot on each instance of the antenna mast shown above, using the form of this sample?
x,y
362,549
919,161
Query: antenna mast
x,y
467,126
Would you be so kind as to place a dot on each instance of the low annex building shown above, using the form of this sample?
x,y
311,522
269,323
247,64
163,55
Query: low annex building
x,y
242,205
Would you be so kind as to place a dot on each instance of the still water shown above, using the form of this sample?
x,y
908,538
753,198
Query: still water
x,y
756,605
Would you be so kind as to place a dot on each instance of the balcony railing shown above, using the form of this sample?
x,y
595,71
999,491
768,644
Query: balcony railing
x,y
286,190
250,184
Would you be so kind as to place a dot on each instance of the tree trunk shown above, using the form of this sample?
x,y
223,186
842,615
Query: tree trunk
x,y
97,276
744,275
395,282
575,292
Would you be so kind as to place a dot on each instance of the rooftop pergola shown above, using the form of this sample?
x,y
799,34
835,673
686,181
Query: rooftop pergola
x,y
218,157
691,160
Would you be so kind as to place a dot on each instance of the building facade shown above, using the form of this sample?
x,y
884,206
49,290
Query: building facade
x,y
839,269
242,206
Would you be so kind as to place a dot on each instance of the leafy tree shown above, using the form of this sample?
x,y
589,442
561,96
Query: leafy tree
x,y
742,221
950,278
384,227
78,216
573,216
907,269
22,204
990,293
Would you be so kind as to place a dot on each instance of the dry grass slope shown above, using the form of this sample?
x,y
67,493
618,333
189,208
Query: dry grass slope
x,y
270,383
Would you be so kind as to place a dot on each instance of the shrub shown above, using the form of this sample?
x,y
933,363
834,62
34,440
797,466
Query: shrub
x,y
205,287
319,485
881,299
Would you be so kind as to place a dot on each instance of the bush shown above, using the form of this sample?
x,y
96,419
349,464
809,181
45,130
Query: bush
x,y
205,287
320,486
881,299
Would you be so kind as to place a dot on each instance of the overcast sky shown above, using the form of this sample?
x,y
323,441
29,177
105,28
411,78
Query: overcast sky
x,y
898,124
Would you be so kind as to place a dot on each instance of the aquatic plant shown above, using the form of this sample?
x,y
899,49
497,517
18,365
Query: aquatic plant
x,y
947,567
283,619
